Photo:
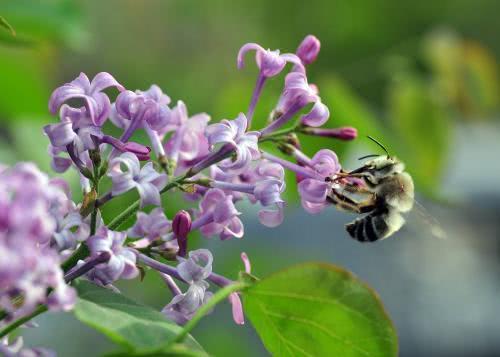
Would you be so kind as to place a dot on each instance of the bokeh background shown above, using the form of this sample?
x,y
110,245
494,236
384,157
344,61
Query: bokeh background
x,y
422,76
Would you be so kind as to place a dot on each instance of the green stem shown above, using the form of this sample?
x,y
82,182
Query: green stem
x,y
134,207
219,296
77,255
11,327
279,133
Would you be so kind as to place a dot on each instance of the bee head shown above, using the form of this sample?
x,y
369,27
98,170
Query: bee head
x,y
384,166
380,166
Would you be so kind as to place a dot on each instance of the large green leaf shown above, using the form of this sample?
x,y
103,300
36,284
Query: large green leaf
x,y
319,310
138,328
176,350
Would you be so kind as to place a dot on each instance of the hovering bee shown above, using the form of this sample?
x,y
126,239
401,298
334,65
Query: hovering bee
x,y
390,193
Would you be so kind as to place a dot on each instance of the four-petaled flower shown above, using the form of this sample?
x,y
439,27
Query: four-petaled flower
x,y
297,94
121,264
95,101
151,227
193,270
188,142
146,180
233,133
270,63
314,192
218,216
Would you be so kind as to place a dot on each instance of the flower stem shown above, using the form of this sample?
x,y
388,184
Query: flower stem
x,y
11,327
219,296
278,133
86,267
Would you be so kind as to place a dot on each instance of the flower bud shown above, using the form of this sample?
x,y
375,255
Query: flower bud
x,y
345,133
181,226
308,50
142,152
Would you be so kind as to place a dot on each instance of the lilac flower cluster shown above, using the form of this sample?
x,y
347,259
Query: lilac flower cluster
x,y
216,165
36,216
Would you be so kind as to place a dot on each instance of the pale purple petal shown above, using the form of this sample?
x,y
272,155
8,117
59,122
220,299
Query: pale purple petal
x,y
102,81
313,191
244,49
60,134
197,267
318,115
149,194
233,229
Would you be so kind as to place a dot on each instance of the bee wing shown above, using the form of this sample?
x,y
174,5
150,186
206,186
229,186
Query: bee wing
x,y
426,220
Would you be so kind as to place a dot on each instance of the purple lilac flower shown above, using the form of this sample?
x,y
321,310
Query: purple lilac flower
x,y
296,95
193,270
270,64
151,227
96,102
217,215
146,180
264,184
30,205
232,133
148,110
188,143
314,192
121,264
71,230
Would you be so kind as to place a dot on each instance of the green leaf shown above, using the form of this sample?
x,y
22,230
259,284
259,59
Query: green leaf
x,y
7,26
40,21
465,72
422,127
319,310
175,350
138,328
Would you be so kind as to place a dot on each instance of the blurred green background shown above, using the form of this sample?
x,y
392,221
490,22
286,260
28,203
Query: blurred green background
x,y
421,76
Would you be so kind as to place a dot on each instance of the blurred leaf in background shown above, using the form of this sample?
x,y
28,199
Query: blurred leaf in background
x,y
420,126
7,26
465,71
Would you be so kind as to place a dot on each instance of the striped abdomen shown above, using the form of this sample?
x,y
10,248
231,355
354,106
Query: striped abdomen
x,y
379,224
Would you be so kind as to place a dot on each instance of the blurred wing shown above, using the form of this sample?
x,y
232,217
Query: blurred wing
x,y
429,221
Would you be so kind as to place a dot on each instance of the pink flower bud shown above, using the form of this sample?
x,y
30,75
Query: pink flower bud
x,y
345,133
308,50
141,151
181,226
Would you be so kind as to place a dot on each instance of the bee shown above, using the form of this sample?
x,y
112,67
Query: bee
x,y
390,192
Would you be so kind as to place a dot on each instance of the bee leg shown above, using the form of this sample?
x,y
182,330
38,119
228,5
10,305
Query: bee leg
x,y
348,204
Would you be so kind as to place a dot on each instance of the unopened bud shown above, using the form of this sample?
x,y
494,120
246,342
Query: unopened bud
x,y
181,226
142,152
345,133
308,50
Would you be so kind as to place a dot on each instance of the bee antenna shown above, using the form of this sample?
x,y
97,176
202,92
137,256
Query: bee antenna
x,y
367,156
379,144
